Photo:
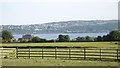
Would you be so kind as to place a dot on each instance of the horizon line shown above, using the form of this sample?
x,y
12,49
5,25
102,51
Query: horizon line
x,y
64,21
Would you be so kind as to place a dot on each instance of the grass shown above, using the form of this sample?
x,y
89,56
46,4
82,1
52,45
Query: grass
x,y
60,62
53,62
69,44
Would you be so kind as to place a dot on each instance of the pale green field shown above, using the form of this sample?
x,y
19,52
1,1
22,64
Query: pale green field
x,y
53,62
69,44
60,62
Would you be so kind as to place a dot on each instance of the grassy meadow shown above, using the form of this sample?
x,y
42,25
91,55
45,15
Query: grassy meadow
x,y
69,44
53,62
60,62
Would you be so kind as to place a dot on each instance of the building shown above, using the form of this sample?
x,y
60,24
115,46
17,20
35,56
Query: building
x,y
27,37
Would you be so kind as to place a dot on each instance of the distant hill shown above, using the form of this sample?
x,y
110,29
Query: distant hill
x,y
78,26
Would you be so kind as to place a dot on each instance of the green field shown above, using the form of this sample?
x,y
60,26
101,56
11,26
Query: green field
x,y
69,44
53,62
60,62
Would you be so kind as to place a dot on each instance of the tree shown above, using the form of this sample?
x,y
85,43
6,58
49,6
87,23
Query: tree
x,y
80,39
106,38
89,38
36,39
114,35
21,40
6,35
67,38
99,38
63,38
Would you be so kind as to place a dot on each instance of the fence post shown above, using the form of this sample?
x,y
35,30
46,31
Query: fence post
x,y
69,53
42,53
117,55
56,53
100,53
17,52
29,52
84,53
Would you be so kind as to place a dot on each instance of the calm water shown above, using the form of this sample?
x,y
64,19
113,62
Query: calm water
x,y
72,35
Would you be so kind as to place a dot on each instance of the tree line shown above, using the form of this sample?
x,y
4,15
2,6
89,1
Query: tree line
x,y
112,36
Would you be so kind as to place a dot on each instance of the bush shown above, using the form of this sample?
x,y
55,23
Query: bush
x,y
63,38
37,40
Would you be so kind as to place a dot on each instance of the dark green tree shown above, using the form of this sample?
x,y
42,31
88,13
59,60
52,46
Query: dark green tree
x,y
114,35
36,39
80,39
67,38
63,38
87,38
99,38
106,38
6,36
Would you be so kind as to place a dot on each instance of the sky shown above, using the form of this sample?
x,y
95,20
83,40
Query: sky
x,y
23,12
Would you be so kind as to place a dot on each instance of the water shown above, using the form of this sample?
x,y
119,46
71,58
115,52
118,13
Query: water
x,y
55,36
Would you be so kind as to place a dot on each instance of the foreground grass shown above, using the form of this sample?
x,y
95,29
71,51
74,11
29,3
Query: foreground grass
x,y
69,44
53,62
59,62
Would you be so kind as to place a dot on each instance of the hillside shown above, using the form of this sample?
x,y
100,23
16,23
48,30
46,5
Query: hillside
x,y
78,26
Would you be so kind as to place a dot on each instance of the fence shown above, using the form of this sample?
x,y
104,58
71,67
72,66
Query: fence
x,y
66,53
7,52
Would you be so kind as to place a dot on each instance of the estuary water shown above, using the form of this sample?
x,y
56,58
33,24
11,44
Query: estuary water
x,y
55,36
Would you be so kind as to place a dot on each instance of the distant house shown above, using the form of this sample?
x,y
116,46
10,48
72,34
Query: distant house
x,y
27,37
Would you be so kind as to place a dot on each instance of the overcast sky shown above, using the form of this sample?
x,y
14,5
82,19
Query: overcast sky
x,y
24,12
